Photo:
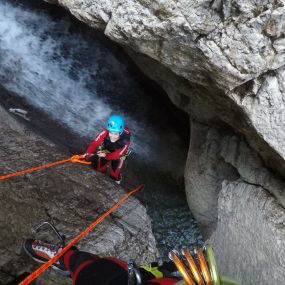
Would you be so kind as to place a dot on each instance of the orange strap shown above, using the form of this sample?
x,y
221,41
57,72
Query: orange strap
x,y
75,158
79,159
41,269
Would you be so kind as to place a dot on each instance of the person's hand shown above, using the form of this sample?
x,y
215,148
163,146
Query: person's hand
x,y
87,156
101,154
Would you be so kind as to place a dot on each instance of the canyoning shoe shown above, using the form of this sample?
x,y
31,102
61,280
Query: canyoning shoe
x,y
120,180
42,252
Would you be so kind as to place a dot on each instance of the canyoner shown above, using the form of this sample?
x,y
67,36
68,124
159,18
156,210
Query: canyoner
x,y
53,255
110,146
198,267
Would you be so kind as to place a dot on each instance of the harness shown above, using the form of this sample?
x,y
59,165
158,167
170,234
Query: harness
x,y
124,157
134,275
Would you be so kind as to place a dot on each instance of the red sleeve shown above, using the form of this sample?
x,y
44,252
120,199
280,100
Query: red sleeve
x,y
118,152
96,142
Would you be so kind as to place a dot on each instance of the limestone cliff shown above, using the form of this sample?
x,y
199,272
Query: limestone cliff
x,y
72,195
246,222
231,54
223,62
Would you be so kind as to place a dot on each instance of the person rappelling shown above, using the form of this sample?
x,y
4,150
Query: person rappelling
x,y
86,268
110,146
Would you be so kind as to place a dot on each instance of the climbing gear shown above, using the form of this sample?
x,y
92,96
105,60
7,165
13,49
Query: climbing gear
x,y
61,238
174,256
75,159
115,124
43,252
153,270
36,273
124,157
102,149
134,276
79,158
212,264
20,112
199,267
204,266
193,267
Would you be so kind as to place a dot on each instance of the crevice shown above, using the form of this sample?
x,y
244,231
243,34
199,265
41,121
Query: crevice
x,y
255,184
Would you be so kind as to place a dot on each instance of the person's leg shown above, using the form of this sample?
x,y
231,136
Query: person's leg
x,y
86,269
42,252
75,259
115,171
99,163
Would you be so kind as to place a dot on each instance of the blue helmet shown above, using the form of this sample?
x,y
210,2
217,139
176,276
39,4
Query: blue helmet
x,y
115,124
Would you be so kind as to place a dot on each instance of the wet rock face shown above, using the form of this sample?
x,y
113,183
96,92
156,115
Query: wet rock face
x,y
239,204
73,195
207,171
250,218
215,156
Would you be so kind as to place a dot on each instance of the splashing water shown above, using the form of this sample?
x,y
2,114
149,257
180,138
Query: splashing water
x,y
41,63
75,79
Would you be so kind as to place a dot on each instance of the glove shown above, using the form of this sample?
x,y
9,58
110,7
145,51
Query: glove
x,y
87,157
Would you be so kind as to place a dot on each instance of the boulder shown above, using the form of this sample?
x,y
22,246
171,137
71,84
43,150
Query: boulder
x,y
249,240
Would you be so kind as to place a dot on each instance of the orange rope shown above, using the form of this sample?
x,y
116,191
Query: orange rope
x,y
75,158
41,269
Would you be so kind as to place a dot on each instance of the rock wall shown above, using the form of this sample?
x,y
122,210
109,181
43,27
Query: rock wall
x,y
256,254
224,64
72,195
239,203
208,170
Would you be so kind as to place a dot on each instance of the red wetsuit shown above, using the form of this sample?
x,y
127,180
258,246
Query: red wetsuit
x,y
88,269
115,151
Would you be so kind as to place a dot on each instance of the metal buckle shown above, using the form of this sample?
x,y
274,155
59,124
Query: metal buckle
x,y
60,237
134,276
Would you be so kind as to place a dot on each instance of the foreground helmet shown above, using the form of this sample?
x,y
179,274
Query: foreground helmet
x,y
115,124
